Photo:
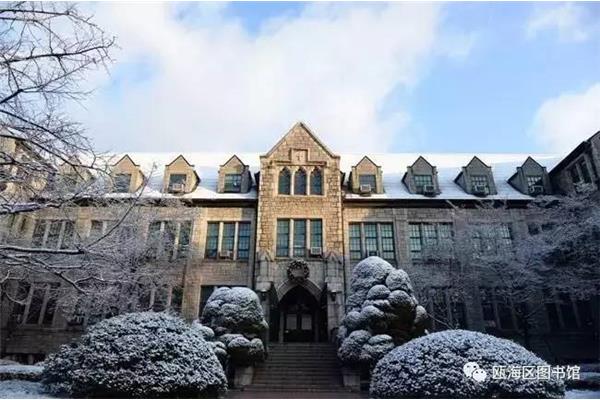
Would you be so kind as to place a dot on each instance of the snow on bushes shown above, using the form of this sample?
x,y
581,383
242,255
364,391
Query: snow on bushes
x,y
236,316
21,372
432,367
382,313
143,354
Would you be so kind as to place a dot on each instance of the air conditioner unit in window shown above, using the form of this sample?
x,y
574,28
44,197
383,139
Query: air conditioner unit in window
x,y
372,253
480,190
365,189
316,251
227,254
177,188
429,190
536,189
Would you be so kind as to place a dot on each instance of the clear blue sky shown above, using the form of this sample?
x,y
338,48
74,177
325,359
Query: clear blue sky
x,y
460,77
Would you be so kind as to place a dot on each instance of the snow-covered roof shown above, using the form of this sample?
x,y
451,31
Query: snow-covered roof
x,y
393,166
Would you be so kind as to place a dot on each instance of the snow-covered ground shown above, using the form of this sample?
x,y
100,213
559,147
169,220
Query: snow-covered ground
x,y
582,394
16,389
18,371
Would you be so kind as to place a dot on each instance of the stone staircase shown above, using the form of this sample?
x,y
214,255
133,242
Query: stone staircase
x,y
300,368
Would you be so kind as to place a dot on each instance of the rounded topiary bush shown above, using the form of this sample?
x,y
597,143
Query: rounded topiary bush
x,y
236,317
143,354
432,366
382,313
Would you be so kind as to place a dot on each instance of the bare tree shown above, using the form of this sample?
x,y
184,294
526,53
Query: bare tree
x,y
47,163
558,252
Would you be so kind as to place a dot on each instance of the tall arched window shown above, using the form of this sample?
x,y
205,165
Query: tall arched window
x,y
284,181
300,182
316,182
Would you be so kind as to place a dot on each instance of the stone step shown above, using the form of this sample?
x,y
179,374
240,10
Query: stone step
x,y
292,387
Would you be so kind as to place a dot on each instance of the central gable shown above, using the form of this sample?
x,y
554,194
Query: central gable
x,y
300,146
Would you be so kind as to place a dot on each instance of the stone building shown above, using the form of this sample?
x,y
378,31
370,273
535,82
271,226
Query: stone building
x,y
229,223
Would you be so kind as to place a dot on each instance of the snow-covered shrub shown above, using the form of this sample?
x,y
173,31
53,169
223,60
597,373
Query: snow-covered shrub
x,y
236,317
383,313
432,366
143,354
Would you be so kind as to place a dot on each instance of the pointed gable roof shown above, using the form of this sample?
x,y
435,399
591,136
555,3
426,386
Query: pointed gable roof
x,y
125,158
234,158
178,158
475,159
421,158
309,132
367,159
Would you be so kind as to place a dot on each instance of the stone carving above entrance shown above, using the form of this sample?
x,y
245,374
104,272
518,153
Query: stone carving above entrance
x,y
297,271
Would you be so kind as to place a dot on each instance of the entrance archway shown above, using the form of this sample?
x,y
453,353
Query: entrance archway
x,y
300,316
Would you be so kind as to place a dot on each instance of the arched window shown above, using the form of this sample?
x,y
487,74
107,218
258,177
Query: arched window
x,y
316,182
300,182
284,181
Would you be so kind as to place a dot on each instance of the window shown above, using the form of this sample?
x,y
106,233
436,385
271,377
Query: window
x,y
432,237
212,240
574,174
568,313
480,181
316,182
369,238
97,229
498,309
316,233
492,238
205,292
585,172
300,182
243,241
53,234
299,238
421,181
228,238
534,180
169,240
446,308
122,183
40,303
284,181
177,182
368,179
229,248
233,183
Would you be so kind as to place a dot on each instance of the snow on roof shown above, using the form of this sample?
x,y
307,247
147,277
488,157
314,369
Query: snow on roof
x,y
393,166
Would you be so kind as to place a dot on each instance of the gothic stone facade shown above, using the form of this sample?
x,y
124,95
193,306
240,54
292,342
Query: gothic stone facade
x,y
239,229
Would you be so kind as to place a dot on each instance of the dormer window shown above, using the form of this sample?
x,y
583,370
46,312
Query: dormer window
x,y
367,182
233,183
122,183
177,183
424,184
535,184
480,185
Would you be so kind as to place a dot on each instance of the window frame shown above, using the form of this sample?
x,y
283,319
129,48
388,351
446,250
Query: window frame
x,y
422,234
215,233
120,187
419,186
371,239
234,186
298,245
316,182
361,181
300,182
174,251
41,240
284,182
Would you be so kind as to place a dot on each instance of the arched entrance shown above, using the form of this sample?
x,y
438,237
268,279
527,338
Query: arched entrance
x,y
300,316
